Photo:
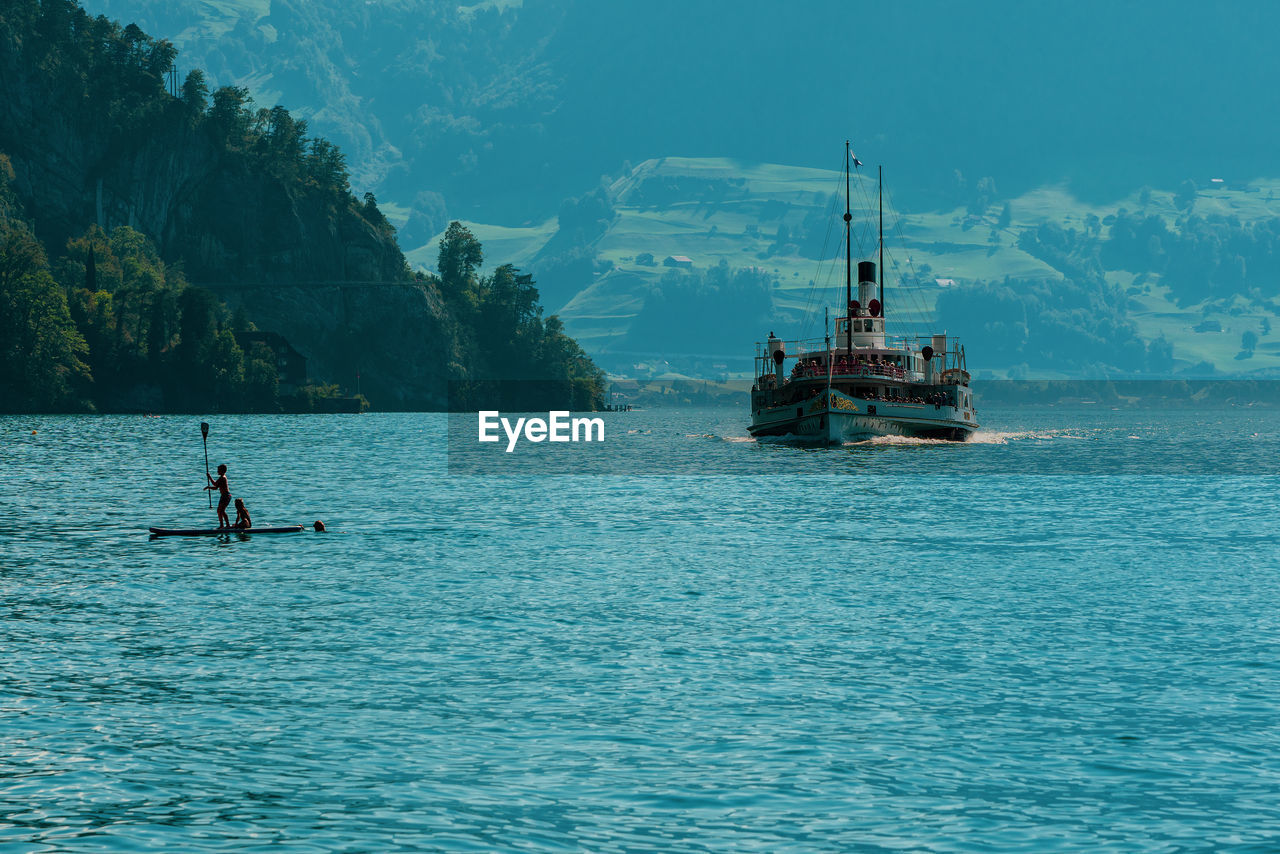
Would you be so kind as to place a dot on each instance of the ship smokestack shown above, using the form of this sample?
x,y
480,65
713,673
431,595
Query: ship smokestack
x,y
778,352
866,282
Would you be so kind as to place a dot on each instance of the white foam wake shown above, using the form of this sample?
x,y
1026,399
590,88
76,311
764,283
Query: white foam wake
x,y
981,437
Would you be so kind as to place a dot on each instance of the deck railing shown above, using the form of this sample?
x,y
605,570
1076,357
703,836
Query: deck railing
x,y
890,372
948,359
814,346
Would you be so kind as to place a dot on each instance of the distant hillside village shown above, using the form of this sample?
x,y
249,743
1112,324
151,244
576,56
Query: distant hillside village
x,y
1160,283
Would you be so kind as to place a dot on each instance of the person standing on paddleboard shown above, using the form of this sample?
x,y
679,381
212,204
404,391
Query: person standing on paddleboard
x,y
224,491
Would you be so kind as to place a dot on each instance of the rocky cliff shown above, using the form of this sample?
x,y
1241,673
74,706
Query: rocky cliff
x,y
393,342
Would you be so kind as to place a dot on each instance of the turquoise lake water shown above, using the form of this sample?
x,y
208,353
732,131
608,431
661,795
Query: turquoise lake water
x,y
1063,636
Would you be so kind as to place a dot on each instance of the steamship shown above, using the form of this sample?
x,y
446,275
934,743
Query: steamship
x,y
864,383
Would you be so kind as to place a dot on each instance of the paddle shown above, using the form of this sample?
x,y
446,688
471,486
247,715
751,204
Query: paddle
x,y
204,434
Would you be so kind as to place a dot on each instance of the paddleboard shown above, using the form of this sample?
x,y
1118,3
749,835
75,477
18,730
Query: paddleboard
x,y
210,532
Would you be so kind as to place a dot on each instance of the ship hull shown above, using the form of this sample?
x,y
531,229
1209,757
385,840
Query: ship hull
x,y
835,419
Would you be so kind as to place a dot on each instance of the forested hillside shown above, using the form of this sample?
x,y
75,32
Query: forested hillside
x,y
148,224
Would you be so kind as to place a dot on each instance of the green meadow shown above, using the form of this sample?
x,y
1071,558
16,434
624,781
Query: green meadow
x,y
215,18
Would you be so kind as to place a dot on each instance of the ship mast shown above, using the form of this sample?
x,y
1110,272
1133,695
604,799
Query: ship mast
x,y
881,173
848,258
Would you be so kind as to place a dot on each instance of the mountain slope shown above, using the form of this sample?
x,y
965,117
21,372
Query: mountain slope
x,y
505,108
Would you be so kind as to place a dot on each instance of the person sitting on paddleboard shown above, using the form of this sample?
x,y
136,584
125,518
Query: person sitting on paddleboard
x,y
242,516
224,490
